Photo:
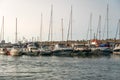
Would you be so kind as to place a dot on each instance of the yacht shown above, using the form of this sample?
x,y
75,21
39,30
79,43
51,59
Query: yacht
x,y
16,51
46,50
116,50
3,51
31,50
62,50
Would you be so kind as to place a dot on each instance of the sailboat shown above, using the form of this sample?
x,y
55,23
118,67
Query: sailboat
x,y
3,49
62,49
116,50
16,49
45,50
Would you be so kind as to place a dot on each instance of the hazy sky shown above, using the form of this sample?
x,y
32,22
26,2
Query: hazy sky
x,y
29,12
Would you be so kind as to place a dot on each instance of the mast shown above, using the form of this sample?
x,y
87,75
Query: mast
x,y
90,26
51,25
99,28
51,22
107,21
16,32
71,22
70,26
2,30
68,31
62,28
3,27
41,27
119,28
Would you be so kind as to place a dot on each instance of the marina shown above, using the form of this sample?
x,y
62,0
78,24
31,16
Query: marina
x,y
59,40
58,49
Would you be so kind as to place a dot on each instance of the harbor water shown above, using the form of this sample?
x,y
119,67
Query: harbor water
x,y
59,68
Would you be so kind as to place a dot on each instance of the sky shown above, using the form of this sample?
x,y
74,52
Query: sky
x,y
28,13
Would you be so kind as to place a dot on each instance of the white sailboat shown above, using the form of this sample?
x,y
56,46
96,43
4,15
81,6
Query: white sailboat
x,y
116,50
16,50
46,50
3,50
62,49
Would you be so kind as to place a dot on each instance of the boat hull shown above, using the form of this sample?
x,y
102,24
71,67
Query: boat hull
x,y
15,52
3,52
46,53
62,52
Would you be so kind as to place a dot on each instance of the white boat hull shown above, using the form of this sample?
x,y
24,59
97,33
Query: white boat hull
x,y
14,52
3,52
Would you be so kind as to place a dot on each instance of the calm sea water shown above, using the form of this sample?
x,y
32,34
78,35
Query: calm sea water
x,y
59,68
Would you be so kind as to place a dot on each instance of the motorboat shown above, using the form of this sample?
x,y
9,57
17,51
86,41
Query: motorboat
x,y
81,47
46,50
116,50
62,50
31,50
3,51
16,51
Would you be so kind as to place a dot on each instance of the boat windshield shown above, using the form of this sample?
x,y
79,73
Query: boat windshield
x,y
45,47
16,46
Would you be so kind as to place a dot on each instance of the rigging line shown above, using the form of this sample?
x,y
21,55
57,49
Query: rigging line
x,y
87,33
118,30
70,25
50,25
104,28
99,28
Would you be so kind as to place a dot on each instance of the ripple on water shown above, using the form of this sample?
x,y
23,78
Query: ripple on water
x,y
59,68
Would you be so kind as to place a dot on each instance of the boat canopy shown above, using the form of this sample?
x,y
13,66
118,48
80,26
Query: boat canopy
x,y
104,45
